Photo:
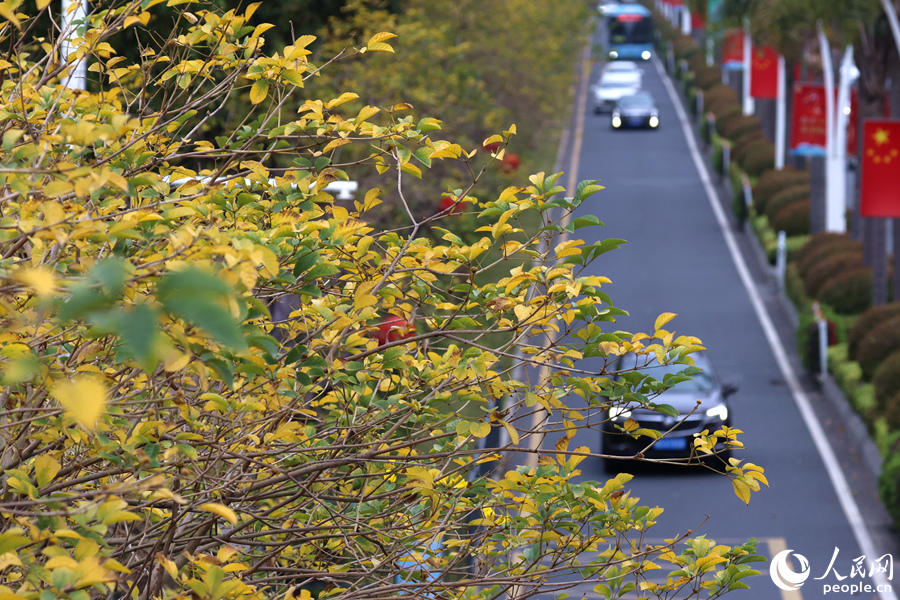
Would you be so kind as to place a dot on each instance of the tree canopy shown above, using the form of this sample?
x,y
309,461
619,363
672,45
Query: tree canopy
x,y
221,381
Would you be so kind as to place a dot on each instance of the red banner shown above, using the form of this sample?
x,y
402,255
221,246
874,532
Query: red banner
x,y
733,49
697,21
764,73
808,122
808,119
879,193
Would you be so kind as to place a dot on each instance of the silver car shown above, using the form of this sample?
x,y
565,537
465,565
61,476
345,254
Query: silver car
x,y
697,404
611,87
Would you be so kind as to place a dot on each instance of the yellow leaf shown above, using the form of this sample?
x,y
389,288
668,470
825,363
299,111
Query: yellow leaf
x,y
45,469
220,510
742,490
42,4
335,143
169,565
83,399
662,319
513,434
480,429
259,91
41,280
380,37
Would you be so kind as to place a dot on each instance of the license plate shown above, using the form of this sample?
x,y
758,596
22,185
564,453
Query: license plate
x,y
671,444
635,121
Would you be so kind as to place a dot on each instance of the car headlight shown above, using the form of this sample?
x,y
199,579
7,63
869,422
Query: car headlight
x,y
645,55
720,411
616,121
654,121
619,412
614,54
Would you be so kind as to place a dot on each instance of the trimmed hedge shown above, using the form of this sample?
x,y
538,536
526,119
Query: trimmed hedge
x,y
867,322
707,77
736,127
787,196
821,245
720,97
759,158
743,141
828,268
773,181
887,388
882,341
793,219
850,292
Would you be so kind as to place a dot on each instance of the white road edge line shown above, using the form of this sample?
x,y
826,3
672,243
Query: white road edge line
x,y
838,481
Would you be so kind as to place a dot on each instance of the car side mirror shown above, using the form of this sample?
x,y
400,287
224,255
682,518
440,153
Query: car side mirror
x,y
728,389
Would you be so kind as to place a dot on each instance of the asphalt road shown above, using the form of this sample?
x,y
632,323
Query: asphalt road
x,y
677,260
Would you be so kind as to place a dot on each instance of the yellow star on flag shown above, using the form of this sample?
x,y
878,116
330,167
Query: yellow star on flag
x,y
881,136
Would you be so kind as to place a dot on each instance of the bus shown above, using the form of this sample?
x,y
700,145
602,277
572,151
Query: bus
x,y
630,32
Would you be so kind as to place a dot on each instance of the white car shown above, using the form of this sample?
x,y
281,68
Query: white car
x,y
623,67
612,87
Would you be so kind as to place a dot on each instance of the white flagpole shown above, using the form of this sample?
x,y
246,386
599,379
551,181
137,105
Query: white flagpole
x,y
748,104
71,18
780,115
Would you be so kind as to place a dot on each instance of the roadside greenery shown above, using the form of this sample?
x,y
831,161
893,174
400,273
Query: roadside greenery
x,y
220,381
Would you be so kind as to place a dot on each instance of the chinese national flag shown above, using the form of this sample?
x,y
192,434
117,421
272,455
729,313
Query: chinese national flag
x,y
879,194
764,72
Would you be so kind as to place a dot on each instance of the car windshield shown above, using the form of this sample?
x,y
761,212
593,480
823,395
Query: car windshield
x,y
616,84
637,101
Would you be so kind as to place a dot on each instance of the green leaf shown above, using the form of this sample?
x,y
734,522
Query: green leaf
x,y
11,541
199,298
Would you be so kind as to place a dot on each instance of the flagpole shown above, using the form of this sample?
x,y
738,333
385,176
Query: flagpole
x,y
832,210
685,19
780,115
77,76
748,105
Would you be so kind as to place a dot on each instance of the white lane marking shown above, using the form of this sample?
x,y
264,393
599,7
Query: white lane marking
x,y
835,474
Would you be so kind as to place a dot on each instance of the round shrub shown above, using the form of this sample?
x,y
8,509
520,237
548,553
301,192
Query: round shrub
x,y
742,142
759,158
773,181
829,267
793,219
725,116
881,341
887,384
734,128
866,322
824,245
719,97
785,197
708,76
825,238
685,47
697,61
850,292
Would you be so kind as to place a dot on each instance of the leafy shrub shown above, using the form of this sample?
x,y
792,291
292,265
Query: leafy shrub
x,y
887,388
821,245
685,47
889,483
744,140
734,128
707,76
721,97
867,321
785,197
773,181
697,61
850,292
759,158
827,268
882,340
793,218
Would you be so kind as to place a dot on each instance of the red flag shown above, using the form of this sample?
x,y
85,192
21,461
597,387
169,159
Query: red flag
x,y
697,21
879,194
733,49
764,72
